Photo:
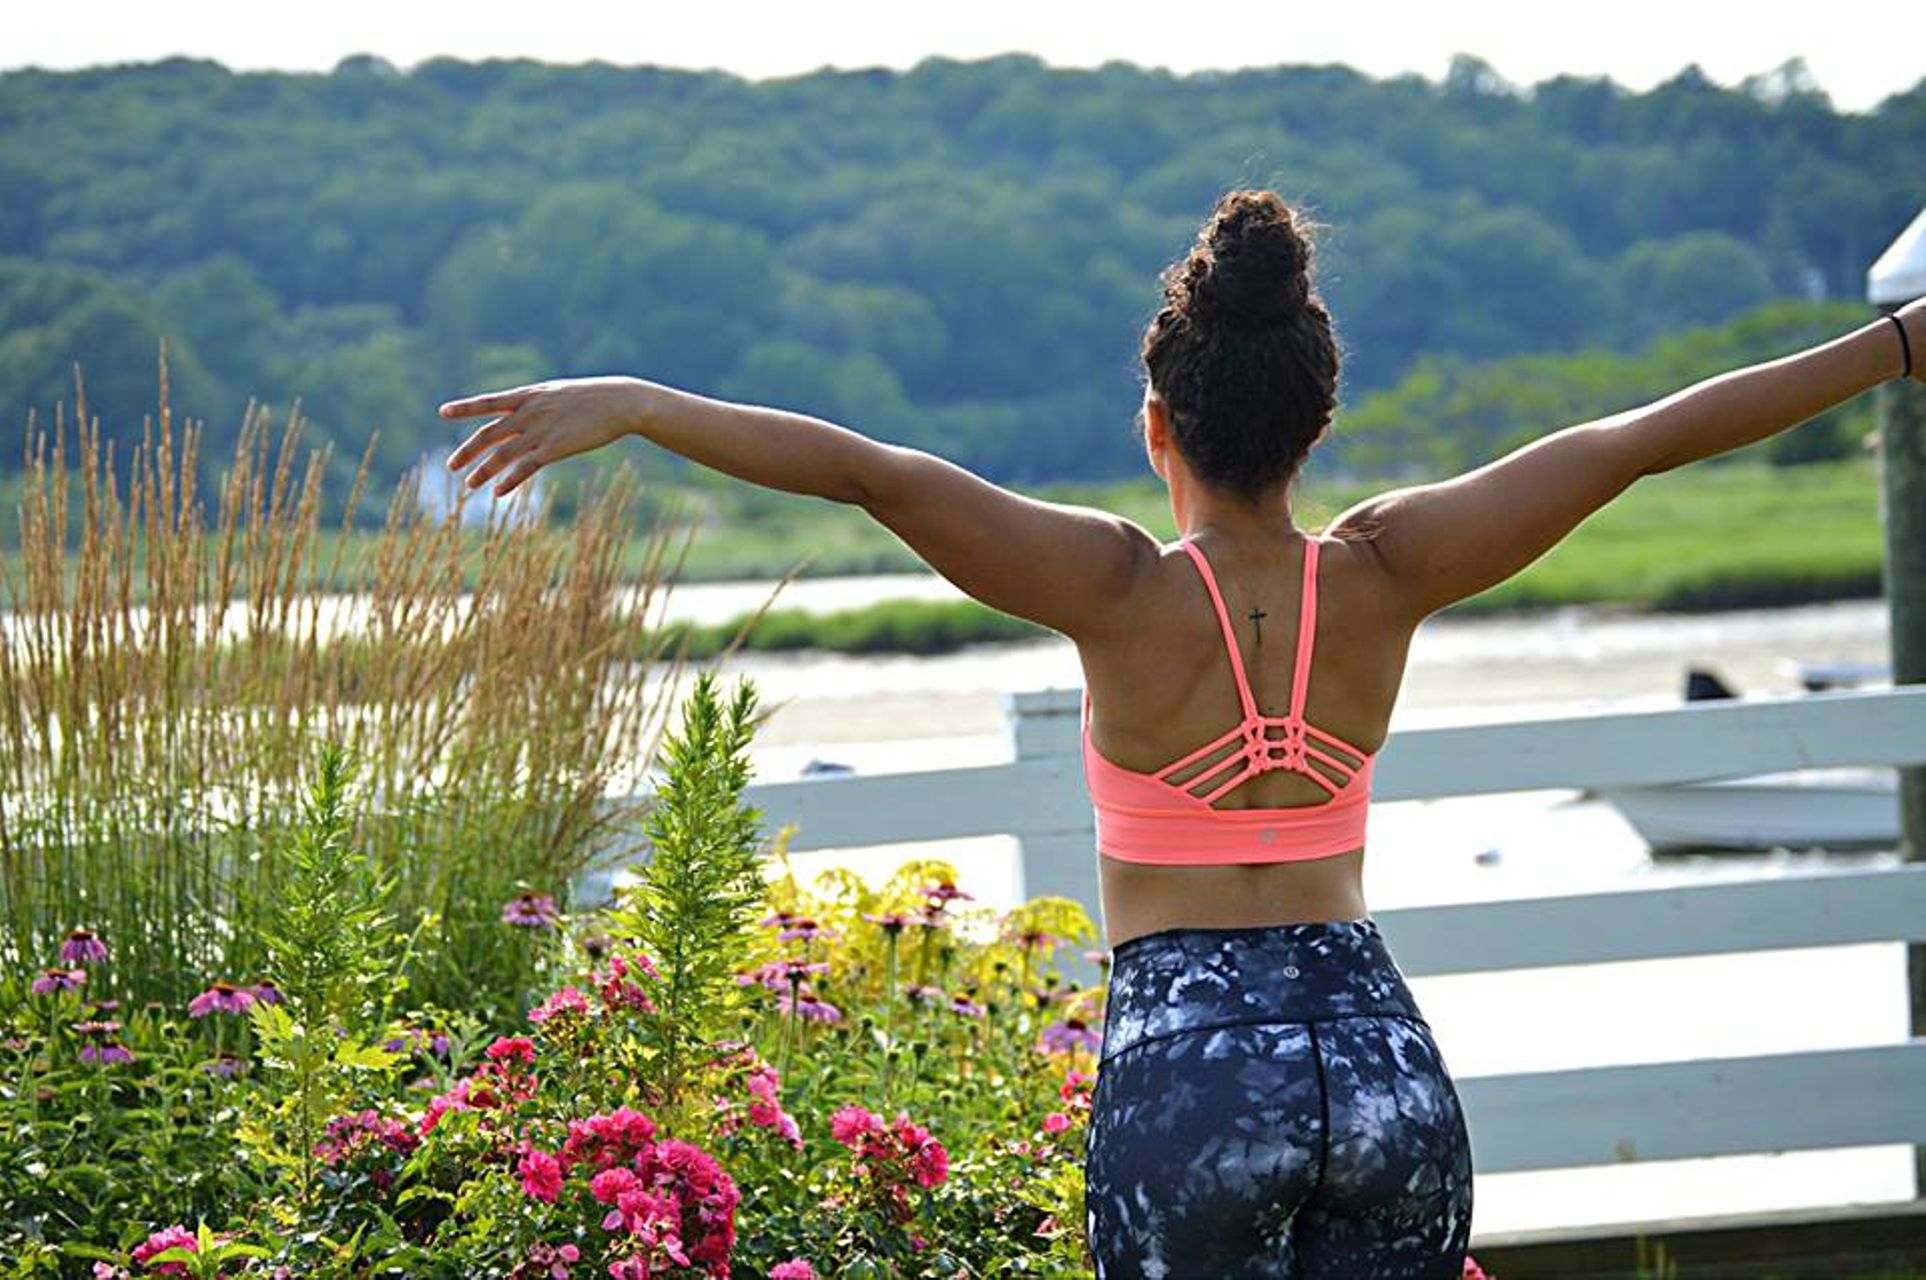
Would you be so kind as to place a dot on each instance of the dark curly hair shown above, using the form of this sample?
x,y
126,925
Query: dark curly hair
x,y
1242,352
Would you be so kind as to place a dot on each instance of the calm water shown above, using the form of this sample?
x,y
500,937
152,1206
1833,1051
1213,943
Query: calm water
x,y
896,713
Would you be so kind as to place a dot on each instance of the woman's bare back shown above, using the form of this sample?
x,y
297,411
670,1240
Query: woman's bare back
x,y
1167,687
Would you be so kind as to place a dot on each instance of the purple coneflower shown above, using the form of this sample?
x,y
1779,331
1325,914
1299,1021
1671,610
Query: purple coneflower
x,y
96,1028
806,929
777,975
105,1053
965,1006
779,920
1098,957
530,911
222,997
892,921
53,980
82,947
266,992
1071,1034
943,892
797,970
810,1007
418,1040
922,991
227,1066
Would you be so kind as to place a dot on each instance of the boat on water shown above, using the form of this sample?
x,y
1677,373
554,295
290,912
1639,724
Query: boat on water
x,y
1831,808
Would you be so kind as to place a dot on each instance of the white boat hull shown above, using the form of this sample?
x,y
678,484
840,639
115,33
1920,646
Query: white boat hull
x,y
1811,808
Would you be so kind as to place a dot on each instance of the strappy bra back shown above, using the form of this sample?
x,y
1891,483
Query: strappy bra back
x,y
1154,817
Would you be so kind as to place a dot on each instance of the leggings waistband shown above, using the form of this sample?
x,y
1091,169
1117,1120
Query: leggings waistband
x,y
1193,978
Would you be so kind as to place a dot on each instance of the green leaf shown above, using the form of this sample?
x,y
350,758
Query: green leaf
x,y
355,1055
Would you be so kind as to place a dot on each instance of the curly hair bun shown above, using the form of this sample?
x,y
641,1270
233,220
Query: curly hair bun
x,y
1251,263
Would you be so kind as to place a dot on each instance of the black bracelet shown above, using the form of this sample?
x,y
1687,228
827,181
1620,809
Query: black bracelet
x,y
1905,343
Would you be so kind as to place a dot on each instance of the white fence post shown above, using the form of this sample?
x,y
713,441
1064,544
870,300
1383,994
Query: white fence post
x,y
1898,277
1058,859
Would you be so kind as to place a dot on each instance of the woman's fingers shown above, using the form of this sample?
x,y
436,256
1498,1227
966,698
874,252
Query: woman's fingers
x,y
503,455
522,470
494,402
486,436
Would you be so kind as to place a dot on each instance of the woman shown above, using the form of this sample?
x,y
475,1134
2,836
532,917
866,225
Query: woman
x,y
1271,1100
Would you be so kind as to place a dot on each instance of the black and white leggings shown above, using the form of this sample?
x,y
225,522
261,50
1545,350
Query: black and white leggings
x,y
1270,1102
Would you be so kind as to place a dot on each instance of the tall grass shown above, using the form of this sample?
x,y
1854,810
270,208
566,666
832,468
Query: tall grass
x,y
166,680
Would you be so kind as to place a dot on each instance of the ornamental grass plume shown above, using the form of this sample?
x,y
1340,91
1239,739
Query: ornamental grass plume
x,y
485,678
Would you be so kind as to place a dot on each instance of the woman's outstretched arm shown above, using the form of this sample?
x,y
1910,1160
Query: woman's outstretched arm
x,y
1439,543
1066,567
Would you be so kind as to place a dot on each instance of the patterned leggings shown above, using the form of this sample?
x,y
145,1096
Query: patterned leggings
x,y
1270,1102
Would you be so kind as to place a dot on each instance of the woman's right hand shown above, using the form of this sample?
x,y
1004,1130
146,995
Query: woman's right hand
x,y
1913,316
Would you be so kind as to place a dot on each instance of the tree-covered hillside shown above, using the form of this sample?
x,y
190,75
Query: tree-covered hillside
x,y
960,256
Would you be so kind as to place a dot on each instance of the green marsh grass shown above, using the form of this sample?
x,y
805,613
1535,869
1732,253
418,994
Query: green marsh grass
x,y
1736,535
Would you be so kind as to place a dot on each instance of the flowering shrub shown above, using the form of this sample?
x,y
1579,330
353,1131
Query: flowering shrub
x,y
834,1080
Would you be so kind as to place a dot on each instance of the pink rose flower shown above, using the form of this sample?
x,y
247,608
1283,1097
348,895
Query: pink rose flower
x,y
519,1048
541,1175
851,1122
163,1240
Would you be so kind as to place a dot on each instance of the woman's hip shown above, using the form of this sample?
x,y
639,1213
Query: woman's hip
x,y
1190,979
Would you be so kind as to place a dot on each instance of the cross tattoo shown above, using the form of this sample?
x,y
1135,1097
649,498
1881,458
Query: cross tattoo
x,y
1257,616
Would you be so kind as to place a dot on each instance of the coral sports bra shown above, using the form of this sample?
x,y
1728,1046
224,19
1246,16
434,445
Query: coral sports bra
x,y
1147,817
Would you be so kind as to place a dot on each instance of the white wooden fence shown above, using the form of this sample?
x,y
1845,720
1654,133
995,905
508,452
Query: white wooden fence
x,y
1542,1119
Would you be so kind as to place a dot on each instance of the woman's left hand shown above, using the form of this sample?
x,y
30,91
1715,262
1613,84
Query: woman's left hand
x,y
541,423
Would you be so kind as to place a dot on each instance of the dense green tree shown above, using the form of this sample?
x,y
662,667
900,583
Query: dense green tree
x,y
1699,278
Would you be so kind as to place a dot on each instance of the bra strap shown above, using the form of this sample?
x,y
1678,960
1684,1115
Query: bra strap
x,y
1224,622
1306,628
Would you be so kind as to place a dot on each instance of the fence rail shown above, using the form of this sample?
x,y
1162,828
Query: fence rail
x,y
1542,1119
